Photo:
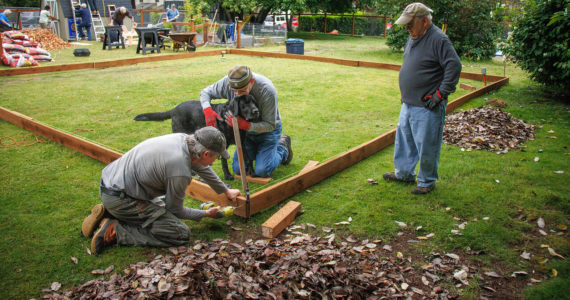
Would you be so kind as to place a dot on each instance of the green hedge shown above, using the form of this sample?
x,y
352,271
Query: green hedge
x,y
362,25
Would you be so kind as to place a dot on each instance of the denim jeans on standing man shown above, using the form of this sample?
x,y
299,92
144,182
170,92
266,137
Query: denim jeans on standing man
x,y
418,138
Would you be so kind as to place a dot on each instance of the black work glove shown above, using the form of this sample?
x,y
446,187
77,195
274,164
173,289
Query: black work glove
x,y
431,101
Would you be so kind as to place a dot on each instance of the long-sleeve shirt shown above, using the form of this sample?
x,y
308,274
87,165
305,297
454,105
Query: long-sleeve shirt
x,y
157,167
172,14
119,17
85,15
262,90
430,64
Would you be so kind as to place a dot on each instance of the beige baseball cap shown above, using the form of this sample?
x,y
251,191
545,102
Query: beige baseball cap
x,y
416,9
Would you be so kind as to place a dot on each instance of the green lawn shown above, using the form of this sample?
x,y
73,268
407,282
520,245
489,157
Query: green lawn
x,y
47,189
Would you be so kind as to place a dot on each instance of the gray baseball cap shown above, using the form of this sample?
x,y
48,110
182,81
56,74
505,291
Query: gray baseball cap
x,y
239,77
416,9
213,139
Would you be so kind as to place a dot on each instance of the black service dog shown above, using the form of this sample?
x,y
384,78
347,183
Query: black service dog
x,y
188,117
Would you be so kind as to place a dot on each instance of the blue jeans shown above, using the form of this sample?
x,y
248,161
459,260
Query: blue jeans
x,y
87,27
265,149
418,137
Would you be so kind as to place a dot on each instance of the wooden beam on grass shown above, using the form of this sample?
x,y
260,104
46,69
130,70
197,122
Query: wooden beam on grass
x,y
310,165
280,220
466,86
482,91
105,64
294,185
196,189
258,180
291,186
92,150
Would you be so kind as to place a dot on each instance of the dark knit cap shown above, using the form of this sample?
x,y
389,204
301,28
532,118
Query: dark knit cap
x,y
239,77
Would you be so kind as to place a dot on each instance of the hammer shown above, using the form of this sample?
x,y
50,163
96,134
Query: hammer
x,y
241,166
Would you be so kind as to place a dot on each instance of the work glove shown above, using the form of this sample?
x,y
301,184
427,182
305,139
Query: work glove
x,y
242,123
211,116
431,101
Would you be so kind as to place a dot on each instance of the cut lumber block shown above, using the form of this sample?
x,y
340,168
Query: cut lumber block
x,y
467,87
310,165
281,219
260,180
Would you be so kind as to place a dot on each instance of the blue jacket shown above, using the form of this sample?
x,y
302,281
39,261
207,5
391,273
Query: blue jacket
x,y
85,15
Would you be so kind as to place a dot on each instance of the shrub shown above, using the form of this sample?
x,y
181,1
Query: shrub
x,y
541,48
473,25
396,38
362,25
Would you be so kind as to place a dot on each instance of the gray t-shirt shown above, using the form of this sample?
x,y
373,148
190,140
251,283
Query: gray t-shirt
x,y
160,166
262,90
430,64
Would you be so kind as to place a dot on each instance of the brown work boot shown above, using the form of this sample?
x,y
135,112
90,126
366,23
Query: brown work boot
x,y
92,220
285,140
420,190
391,176
104,237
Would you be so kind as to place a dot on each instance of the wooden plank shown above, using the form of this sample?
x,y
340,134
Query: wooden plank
x,y
258,180
345,62
466,86
45,69
287,188
76,143
280,220
197,190
291,186
105,64
477,93
368,64
311,164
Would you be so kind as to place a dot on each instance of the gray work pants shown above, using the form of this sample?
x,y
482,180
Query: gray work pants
x,y
145,223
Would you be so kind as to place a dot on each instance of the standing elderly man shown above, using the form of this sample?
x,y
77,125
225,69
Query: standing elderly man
x,y
85,15
429,73
143,191
263,141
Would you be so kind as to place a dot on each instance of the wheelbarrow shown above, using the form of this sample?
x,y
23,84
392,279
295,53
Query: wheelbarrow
x,y
181,40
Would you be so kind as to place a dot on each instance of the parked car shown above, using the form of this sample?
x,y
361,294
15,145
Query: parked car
x,y
278,22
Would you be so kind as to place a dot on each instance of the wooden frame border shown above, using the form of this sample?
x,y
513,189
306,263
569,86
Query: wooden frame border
x,y
268,196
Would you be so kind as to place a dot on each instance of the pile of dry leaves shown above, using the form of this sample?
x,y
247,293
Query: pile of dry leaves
x,y
47,39
486,128
300,266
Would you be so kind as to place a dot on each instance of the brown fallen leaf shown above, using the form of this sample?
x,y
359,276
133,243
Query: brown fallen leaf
x,y
98,272
372,181
74,260
109,269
